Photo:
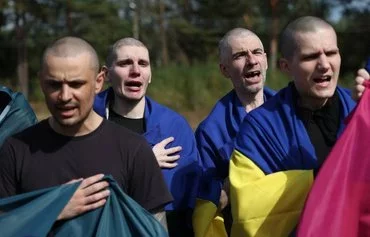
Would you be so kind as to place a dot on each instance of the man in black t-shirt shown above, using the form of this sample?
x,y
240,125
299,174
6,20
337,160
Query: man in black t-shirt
x,y
76,143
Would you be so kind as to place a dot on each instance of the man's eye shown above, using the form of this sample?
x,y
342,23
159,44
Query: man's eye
x,y
258,53
54,85
331,53
123,63
143,63
76,85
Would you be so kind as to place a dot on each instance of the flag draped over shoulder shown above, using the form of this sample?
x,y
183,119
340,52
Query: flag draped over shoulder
x,y
339,202
15,113
161,123
34,214
271,169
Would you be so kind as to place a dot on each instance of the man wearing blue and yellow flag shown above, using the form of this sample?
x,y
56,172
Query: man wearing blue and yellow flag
x,y
282,143
243,61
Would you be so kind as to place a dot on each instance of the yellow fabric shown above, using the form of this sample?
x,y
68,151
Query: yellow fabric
x,y
207,221
265,205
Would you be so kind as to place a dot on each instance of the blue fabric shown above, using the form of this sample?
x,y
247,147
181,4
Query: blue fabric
x,y
214,138
16,115
34,213
161,123
275,139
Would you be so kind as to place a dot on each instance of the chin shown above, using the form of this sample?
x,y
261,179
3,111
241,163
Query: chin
x,y
253,89
324,94
133,99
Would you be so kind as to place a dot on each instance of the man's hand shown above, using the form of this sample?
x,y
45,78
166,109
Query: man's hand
x,y
166,157
91,194
359,88
225,193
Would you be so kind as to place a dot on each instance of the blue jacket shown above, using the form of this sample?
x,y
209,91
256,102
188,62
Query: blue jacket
x,y
215,136
161,123
16,114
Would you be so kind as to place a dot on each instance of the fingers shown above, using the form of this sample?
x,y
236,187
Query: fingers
x,y
167,159
359,87
167,165
93,206
166,141
91,194
91,180
363,73
97,197
172,150
95,188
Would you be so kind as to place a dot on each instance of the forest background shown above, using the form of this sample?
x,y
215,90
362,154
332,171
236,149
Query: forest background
x,y
182,37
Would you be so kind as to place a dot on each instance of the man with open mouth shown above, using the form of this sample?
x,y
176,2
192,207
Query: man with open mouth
x,y
242,60
281,145
171,137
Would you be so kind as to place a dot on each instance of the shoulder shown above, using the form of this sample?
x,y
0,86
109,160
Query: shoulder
x,y
164,114
268,92
28,136
217,114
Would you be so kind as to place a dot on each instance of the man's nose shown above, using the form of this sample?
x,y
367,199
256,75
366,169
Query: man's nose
x,y
65,93
135,69
251,58
323,63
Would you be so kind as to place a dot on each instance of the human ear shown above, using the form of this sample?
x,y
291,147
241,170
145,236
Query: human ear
x,y
224,70
99,82
284,65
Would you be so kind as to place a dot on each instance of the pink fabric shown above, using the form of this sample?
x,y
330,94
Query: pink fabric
x,y
339,201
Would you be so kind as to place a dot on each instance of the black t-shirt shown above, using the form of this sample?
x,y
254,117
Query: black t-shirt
x,y
135,125
39,158
322,125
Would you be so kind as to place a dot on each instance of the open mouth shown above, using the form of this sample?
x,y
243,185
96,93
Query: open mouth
x,y
133,83
322,79
252,74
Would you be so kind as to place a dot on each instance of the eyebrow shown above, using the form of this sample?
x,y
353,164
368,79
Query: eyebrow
x,y
243,52
317,54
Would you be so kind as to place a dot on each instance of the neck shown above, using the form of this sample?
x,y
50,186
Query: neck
x,y
250,101
129,108
88,125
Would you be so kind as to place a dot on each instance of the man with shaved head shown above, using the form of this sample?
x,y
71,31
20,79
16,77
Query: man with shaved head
x,y
75,143
282,144
242,59
128,70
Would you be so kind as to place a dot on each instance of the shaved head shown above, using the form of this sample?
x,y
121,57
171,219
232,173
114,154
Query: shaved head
x,y
112,54
71,47
224,44
288,40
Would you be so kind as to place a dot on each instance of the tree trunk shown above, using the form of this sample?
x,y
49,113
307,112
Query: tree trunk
x,y
22,62
69,18
274,37
162,33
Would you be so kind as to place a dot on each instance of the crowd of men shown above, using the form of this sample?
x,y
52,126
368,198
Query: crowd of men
x,y
247,169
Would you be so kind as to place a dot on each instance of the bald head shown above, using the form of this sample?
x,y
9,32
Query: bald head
x,y
288,40
224,44
71,47
112,54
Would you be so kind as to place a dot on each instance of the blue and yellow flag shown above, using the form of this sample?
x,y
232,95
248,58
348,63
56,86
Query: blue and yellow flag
x,y
271,167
